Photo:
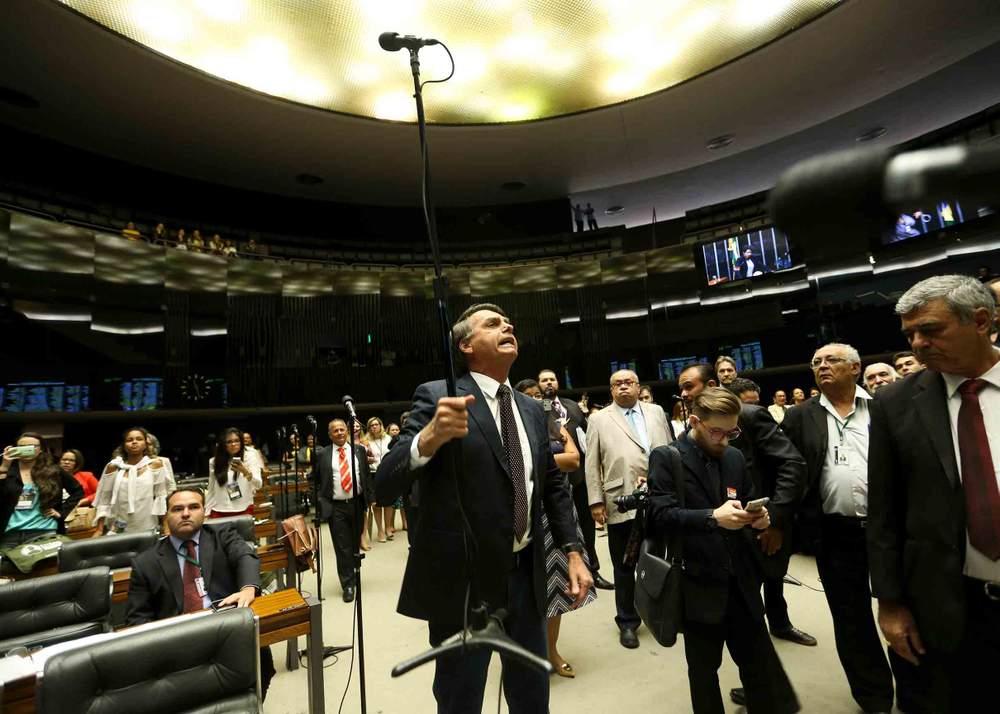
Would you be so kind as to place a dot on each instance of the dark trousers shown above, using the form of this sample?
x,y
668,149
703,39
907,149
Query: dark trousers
x,y
842,561
586,524
962,681
345,532
579,224
775,605
767,687
459,679
627,616
267,670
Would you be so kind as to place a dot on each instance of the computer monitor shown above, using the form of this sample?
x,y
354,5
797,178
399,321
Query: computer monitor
x,y
748,356
671,367
744,256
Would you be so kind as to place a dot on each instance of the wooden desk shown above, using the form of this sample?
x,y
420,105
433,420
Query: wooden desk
x,y
284,615
267,529
120,580
82,533
274,490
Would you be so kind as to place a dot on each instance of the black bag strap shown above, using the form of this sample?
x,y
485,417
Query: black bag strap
x,y
676,543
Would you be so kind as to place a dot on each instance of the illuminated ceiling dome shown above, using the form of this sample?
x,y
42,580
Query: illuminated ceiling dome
x,y
516,60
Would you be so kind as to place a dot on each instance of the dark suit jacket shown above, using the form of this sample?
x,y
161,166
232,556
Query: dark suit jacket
x,y
436,571
778,471
575,418
806,426
157,589
324,467
712,554
916,507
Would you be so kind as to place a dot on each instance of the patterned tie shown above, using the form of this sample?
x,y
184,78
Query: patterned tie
x,y
345,472
515,460
982,498
192,600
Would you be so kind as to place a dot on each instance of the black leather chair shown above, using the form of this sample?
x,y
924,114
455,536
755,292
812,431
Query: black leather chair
x,y
205,665
242,524
55,608
114,551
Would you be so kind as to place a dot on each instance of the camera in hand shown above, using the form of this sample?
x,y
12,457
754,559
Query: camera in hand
x,y
638,499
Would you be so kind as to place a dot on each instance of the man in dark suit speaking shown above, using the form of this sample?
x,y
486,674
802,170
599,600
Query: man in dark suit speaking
x,y
194,567
486,472
934,501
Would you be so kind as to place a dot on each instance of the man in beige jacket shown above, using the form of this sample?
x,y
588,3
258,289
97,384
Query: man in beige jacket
x,y
619,439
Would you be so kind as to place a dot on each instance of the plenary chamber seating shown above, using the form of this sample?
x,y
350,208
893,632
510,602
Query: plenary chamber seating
x,y
203,665
244,525
114,551
40,612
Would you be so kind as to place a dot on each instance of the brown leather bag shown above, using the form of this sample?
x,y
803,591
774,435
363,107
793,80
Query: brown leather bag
x,y
302,539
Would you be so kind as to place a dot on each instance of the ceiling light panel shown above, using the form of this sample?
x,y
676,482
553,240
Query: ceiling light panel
x,y
516,60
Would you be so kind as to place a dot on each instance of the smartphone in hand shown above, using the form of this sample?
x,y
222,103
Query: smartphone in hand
x,y
757,504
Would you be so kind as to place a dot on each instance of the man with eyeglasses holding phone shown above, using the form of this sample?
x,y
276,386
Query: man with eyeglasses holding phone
x,y
831,432
619,439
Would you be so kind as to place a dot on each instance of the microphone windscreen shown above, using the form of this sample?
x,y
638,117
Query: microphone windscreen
x,y
387,41
347,398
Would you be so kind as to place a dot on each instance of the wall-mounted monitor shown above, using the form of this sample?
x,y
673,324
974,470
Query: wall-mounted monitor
x,y
618,365
744,256
45,397
671,367
142,394
747,356
922,221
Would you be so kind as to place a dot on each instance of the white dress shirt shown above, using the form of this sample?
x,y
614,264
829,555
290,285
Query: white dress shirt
x,y
978,565
339,494
217,497
843,482
489,387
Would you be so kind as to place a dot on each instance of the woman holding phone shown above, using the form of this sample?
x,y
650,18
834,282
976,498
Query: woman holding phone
x,y
31,492
234,475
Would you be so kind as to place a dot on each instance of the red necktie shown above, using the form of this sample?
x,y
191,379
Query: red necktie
x,y
192,600
982,497
345,473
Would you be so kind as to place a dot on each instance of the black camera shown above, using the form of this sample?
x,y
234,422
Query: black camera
x,y
637,500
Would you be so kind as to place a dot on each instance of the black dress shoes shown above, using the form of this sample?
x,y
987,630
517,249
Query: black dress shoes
x,y
739,696
602,584
348,594
794,634
628,638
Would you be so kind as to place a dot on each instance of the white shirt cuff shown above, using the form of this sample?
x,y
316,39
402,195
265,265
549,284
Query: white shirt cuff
x,y
416,460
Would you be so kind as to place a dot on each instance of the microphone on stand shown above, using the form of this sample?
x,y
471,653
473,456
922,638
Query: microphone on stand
x,y
394,42
311,421
348,401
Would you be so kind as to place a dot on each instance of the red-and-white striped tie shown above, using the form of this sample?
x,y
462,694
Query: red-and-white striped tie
x,y
345,472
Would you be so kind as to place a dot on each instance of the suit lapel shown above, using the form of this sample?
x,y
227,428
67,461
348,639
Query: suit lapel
x,y
931,404
171,571
529,418
618,418
710,484
481,414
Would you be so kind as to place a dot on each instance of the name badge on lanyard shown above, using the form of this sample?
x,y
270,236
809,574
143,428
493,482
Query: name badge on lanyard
x,y
233,490
199,584
25,501
840,456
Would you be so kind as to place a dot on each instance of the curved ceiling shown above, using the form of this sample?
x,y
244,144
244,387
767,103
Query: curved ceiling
x,y
813,89
515,60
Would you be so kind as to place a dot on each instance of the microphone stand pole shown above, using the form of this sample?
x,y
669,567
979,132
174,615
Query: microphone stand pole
x,y
356,497
317,524
295,490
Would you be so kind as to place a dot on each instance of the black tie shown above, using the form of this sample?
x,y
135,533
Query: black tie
x,y
515,460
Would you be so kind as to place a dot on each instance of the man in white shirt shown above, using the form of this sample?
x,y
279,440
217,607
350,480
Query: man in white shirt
x,y
934,533
780,406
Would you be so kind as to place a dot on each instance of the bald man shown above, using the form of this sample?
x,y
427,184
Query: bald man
x,y
619,439
878,375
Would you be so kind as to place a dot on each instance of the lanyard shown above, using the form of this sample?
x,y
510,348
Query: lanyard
x,y
842,429
188,558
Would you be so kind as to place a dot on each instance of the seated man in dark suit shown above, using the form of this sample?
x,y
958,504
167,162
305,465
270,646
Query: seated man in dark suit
x,y
194,567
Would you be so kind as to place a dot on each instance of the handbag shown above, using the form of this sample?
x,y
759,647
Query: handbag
x,y
658,574
302,539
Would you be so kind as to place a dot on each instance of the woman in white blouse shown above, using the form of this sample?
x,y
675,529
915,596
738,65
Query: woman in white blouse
x,y
378,445
234,475
132,493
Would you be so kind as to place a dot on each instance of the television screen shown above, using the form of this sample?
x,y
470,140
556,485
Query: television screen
x,y
144,394
45,397
671,367
748,255
748,356
617,365
921,221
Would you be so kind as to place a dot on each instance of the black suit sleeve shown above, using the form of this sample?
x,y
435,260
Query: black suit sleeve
x,y
886,508
242,560
559,504
140,597
781,461
394,476
664,514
